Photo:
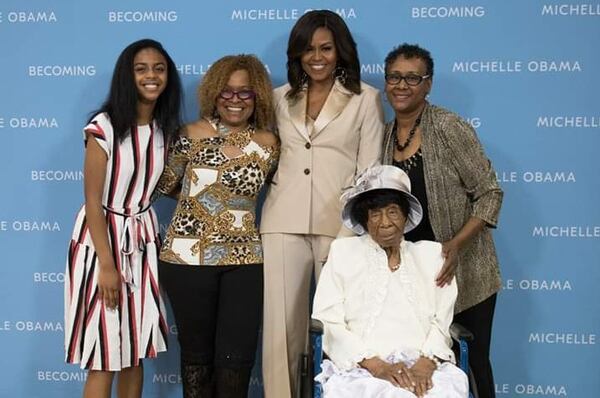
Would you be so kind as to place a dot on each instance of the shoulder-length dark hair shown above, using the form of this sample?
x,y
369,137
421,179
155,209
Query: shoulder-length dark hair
x,y
345,46
121,103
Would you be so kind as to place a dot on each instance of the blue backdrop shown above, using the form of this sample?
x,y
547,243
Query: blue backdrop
x,y
524,73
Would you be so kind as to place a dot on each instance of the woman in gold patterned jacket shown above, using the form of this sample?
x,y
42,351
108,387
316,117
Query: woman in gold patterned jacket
x,y
212,256
454,180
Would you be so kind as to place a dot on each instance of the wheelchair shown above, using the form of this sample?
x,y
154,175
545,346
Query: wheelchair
x,y
310,364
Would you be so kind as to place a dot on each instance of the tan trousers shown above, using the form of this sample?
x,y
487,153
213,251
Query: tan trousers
x,y
289,261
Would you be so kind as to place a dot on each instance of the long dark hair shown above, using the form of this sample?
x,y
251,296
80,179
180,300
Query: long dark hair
x,y
121,103
345,46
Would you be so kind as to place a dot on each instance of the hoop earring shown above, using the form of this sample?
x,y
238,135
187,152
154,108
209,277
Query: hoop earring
x,y
304,79
340,74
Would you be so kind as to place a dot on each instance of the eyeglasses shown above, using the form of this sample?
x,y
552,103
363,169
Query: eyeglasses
x,y
243,95
411,79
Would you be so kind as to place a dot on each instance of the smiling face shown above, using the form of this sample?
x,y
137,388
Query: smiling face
x,y
235,112
150,74
402,97
386,225
319,60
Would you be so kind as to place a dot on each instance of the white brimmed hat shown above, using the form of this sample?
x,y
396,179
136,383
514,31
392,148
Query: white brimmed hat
x,y
380,177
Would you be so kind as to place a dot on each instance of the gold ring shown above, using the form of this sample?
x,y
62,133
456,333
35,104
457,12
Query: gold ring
x,y
400,371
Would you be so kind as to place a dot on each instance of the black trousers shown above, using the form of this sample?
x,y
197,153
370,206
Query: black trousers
x,y
478,319
217,312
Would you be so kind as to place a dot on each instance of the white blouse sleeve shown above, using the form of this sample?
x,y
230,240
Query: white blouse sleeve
x,y
438,341
342,346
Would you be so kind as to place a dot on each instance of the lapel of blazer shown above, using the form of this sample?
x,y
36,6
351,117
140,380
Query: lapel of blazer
x,y
388,143
336,101
297,111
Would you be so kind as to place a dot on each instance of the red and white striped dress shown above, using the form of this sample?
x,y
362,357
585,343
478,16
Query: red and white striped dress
x,y
96,337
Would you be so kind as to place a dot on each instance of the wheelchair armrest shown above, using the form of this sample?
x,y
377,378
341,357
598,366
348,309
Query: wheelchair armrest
x,y
316,326
458,332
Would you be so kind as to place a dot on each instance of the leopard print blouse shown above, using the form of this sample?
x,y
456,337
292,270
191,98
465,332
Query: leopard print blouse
x,y
214,222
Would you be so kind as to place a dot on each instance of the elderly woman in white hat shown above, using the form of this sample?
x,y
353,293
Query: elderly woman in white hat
x,y
386,323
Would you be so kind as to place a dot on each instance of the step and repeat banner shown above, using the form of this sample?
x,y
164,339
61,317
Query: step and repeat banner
x,y
524,73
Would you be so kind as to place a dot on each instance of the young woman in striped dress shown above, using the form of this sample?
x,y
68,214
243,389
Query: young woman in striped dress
x,y
114,315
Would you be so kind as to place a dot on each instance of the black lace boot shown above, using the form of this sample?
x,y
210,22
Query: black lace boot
x,y
232,383
197,380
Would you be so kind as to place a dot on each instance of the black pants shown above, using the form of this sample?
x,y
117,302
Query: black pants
x,y
217,312
478,319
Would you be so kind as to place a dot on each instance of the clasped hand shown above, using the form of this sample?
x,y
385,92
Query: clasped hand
x,y
416,378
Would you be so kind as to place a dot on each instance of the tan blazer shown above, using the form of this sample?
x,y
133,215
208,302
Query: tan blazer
x,y
314,167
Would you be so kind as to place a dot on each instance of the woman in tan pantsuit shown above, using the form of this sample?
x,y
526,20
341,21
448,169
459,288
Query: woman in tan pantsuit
x,y
330,125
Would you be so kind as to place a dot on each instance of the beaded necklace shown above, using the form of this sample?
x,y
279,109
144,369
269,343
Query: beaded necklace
x,y
400,147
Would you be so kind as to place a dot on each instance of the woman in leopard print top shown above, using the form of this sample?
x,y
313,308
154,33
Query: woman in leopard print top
x,y
212,254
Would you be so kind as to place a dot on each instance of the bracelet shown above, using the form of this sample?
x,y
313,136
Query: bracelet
x,y
432,358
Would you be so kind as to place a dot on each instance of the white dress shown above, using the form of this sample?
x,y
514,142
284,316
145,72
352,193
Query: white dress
x,y
368,310
95,337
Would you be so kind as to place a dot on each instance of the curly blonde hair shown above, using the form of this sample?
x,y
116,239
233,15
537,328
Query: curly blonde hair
x,y
216,79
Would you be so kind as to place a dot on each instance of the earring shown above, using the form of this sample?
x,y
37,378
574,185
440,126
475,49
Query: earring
x,y
304,79
340,74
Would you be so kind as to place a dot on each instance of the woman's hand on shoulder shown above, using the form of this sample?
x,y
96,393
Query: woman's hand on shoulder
x,y
450,250
266,139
